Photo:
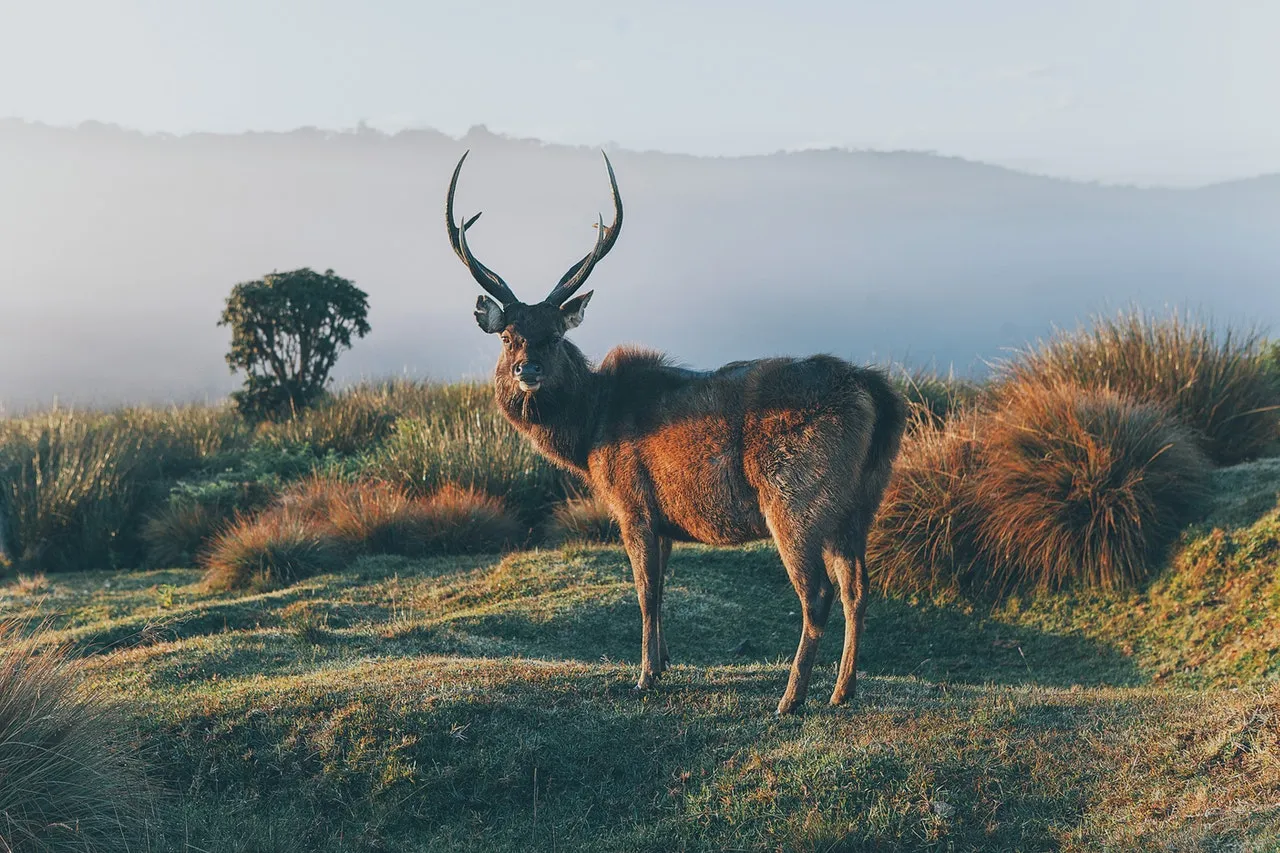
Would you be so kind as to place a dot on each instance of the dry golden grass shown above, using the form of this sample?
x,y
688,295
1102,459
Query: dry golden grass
x,y
1082,486
1221,384
375,517
273,549
67,782
322,522
924,536
583,519
29,585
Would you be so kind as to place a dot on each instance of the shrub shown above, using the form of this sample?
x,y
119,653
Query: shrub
x,y
1082,486
1218,384
924,539
67,782
274,549
583,519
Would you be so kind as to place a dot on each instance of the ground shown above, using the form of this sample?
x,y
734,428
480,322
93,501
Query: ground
x,y
485,703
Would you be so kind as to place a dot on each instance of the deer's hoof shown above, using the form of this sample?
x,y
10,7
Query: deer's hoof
x,y
789,706
646,681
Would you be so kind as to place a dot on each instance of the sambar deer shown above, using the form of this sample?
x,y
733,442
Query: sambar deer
x,y
796,449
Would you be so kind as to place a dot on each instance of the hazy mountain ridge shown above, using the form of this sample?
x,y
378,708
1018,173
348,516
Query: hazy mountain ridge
x,y
117,249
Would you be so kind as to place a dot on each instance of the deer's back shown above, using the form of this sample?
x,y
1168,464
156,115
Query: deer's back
x,y
706,455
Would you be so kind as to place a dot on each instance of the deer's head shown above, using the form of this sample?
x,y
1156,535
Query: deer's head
x,y
533,346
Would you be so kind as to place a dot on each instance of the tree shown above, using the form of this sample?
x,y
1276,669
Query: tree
x,y
287,330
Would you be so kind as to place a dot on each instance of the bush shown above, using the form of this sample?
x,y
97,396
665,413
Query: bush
x,y
67,782
1218,384
583,520
274,549
1082,486
924,539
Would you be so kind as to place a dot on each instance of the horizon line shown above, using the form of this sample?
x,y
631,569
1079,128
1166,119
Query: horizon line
x,y
364,129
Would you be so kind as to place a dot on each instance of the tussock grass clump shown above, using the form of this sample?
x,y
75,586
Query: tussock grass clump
x,y
583,519
274,549
318,524
67,782
1219,384
377,518
1082,486
463,520
178,534
924,539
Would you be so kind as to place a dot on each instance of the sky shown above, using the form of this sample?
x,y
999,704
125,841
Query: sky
x,y
1172,92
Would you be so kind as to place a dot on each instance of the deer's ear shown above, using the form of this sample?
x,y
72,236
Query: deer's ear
x,y
489,315
572,310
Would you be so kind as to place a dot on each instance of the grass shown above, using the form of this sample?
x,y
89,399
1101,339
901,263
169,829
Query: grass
x,y
91,490
67,781
1221,383
1082,487
925,537
484,702
321,522
585,520
271,550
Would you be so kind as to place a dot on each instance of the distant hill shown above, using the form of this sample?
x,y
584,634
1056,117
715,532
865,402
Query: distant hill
x,y
117,249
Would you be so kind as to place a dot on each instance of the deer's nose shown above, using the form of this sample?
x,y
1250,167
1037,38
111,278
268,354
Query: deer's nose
x,y
527,370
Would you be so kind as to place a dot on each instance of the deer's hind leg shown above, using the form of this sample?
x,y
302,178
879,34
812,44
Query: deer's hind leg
x,y
801,553
644,550
846,559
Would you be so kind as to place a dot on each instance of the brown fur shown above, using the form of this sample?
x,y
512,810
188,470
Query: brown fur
x,y
796,449
799,450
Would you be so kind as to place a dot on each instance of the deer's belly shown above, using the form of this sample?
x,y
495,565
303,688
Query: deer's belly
x,y
708,499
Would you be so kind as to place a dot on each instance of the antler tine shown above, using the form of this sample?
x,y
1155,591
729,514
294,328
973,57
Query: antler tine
x,y
577,274
484,276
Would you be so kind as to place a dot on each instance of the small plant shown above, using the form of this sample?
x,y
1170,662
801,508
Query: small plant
x,y
67,781
275,549
583,520
1218,383
1082,486
32,585
287,330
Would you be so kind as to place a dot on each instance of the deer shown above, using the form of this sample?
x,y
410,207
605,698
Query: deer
x,y
796,449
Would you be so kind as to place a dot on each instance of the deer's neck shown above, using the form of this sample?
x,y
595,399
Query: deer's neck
x,y
561,421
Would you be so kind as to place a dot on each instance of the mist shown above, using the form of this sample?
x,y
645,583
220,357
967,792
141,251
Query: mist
x,y
118,248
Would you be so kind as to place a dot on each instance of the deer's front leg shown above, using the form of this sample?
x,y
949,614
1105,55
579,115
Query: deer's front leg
x,y
646,566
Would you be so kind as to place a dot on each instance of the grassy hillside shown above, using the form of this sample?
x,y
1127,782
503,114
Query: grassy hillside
x,y
481,703
1059,661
